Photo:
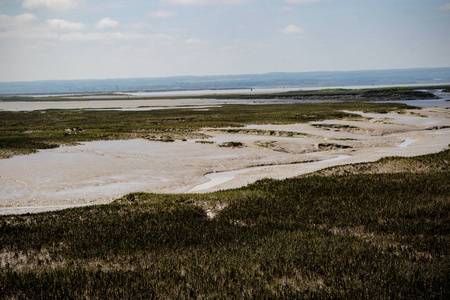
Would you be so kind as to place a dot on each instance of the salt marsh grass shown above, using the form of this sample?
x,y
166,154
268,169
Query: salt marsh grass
x,y
358,236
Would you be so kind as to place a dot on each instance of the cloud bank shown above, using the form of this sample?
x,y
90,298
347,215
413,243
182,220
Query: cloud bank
x,y
161,14
55,5
60,24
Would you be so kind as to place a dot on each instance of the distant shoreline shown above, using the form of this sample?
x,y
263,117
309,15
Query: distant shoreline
x,y
222,91
315,80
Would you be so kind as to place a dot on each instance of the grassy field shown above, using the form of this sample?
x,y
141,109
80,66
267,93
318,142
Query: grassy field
x,y
366,231
26,132
333,235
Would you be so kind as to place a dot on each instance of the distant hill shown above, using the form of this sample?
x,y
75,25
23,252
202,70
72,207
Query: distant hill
x,y
303,79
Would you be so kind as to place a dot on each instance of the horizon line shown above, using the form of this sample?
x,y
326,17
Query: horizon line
x,y
221,75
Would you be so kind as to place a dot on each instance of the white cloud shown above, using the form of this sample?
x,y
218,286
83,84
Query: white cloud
x,y
106,23
292,29
192,42
113,36
25,18
203,2
305,1
161,14
140,25
59,24
160,38
23,27
99,36
8,21
445,7
56,5
28,35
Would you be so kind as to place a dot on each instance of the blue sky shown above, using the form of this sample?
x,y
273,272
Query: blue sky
x,y
84,39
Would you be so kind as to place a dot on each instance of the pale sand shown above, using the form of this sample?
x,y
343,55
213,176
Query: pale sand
x,y
99,172
130,104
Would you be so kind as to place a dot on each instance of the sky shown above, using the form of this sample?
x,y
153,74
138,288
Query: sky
x,y
96,39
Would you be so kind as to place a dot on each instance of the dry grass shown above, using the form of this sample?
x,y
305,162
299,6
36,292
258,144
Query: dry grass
x,y
384,166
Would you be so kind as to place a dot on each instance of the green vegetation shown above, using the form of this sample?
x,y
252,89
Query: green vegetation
x,y
335,90
336,126
17,98
265,144
381,94
331,146
232,144
420,164
164,138
397,94
376,230
25,132
205,142
351,236
432,87
264,132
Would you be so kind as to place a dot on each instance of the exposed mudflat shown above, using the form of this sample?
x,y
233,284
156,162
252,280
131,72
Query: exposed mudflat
x,y
133,102
99,172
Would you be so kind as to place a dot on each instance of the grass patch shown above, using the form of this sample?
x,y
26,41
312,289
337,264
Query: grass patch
x,y
379,94
397,93
232,144
279,133
332,146
420,164
204,142
355,236
265,144
344,127
164,138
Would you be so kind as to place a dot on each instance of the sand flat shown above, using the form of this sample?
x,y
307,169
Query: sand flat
x,y
99,172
